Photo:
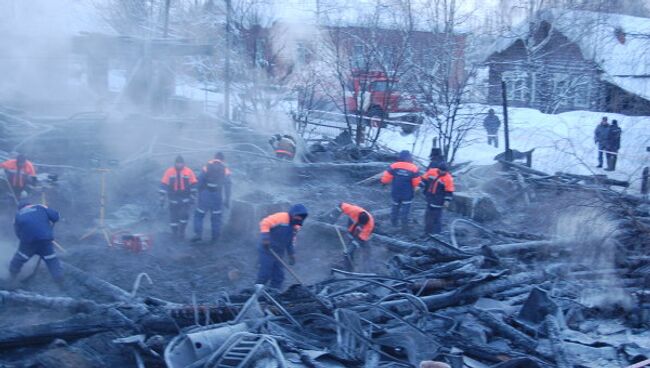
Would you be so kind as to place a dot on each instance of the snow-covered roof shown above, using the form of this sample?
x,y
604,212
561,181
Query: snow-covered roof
x,y
618,44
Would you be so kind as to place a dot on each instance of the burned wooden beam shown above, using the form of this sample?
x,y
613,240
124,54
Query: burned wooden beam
x,y
595,179
74,327
538,245
517,337
25,299
469,293
443,252
522,168
105,288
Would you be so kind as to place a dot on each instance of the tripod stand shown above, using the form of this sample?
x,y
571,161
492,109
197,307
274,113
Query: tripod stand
x,y
101,227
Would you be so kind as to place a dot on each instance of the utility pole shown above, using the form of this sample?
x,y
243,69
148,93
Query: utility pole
x,y
506,131
166,25
226,89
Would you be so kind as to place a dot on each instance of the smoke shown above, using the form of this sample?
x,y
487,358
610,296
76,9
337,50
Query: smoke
x,y
591,232
36,62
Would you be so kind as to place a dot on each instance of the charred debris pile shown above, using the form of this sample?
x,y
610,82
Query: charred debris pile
x,y
488,297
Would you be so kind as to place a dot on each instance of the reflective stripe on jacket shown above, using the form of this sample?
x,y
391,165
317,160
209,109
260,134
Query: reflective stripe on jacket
x,y
438,188
404,177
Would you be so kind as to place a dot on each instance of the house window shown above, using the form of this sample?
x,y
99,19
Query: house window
x,y
581,92
517,85
357,56
561,88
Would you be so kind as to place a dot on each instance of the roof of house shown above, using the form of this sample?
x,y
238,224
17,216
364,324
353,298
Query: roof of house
x,y
618,44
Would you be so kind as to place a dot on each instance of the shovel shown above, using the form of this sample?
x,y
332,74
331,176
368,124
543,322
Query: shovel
x,y
295,276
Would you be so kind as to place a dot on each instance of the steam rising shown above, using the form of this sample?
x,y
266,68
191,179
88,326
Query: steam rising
x,y
592,232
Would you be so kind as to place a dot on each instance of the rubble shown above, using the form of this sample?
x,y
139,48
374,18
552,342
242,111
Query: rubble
x,y
499,292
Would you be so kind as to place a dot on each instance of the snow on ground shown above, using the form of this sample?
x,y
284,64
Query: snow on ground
x,y
562,142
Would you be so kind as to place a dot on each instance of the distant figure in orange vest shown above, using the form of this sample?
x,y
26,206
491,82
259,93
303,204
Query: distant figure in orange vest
x,y
20,172
284,146
438,190
178,186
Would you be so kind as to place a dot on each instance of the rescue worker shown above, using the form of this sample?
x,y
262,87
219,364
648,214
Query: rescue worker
x,y
278,233
438,190
33,225
491,123
404,177
214,194
600,138
19,172
360,227
284,146
178,185
436,158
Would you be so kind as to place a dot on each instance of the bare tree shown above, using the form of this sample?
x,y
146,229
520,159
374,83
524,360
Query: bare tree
x,y
445,84
379,44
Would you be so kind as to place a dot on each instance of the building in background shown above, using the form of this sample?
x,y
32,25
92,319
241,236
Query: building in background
x,y
574,60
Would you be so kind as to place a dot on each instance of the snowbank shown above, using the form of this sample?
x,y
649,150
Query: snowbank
x,y
562,142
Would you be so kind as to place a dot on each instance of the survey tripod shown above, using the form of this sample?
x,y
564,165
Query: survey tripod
x,y
101,226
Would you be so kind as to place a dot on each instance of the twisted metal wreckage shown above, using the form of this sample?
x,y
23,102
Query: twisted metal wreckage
x,y
468,306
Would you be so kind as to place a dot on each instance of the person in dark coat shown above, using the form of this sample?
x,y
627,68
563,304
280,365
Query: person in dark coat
x,y
600,138
436,158
613,145
34,228
215,187
492,124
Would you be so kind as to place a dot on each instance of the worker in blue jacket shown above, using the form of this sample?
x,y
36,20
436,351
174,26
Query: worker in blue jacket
x,y
278,233
214,187
33,225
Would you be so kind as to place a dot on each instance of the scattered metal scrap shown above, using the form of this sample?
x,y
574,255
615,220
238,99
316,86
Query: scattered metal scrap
x,y
502,300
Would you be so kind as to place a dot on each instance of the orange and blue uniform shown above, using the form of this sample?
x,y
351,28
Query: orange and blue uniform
x,y
19,175
33,227
179,185
438,189
404,177
357,230
284,146
214,191
278,232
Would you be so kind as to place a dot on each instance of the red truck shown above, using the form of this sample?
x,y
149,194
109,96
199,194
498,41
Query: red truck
x,y
377,96
371,94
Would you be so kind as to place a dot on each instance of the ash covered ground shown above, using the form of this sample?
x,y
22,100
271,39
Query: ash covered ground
x,y
585,247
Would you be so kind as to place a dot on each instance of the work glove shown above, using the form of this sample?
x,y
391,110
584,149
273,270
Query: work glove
x,y
446,204
292,260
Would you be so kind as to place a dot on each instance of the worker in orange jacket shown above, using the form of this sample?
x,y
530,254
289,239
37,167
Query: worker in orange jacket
x,y
438,190
404,177
278,233
360,227
284,146
20,172
178,186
